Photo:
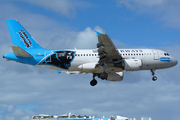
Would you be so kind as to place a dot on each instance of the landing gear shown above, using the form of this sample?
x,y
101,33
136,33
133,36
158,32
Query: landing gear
x,y
103,75
93,82
154,78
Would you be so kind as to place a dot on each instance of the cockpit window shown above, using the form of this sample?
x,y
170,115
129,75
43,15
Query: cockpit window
x,y
166,54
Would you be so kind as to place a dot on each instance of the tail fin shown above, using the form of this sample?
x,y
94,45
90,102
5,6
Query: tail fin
x,y
20,37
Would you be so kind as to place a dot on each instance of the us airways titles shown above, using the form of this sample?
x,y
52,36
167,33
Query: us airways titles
x,y
127,50
23,37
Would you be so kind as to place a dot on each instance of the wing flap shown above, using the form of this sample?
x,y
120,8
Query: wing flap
x,y
20,52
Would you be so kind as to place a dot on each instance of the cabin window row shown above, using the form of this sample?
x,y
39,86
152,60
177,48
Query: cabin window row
x,y
120,54
86,55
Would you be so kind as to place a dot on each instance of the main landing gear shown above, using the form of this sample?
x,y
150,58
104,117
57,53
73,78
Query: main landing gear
x,y
154,78
103,76
94,81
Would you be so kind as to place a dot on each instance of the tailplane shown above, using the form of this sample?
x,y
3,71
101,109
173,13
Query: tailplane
x,y
20,37
20,52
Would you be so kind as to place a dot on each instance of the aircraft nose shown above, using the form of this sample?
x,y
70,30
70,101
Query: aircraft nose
x,y
175,62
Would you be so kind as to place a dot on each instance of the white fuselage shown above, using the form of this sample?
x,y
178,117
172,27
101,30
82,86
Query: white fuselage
x,y
85,60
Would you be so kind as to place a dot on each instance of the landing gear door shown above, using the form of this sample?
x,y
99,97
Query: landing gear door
x,y
48,56
156,55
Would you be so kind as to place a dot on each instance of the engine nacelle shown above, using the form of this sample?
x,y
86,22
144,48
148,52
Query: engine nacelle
x,y
132,64
115,76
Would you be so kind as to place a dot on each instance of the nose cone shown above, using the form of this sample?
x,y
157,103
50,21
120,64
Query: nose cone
x,y
174,62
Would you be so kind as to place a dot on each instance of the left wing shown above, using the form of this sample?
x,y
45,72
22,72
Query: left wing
x,y
108,53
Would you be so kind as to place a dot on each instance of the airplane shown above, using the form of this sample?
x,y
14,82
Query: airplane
x,y
105,62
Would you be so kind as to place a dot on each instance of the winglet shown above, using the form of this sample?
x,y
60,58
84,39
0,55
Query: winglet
x,y
98,33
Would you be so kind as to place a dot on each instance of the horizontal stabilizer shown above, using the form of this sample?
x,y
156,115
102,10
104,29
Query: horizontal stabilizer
x,y
20,52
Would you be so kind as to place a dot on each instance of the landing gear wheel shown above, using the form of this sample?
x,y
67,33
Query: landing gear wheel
x,y
104,76
93,82
154,78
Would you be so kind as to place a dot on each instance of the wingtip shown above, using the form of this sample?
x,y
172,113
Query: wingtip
x,y
98,33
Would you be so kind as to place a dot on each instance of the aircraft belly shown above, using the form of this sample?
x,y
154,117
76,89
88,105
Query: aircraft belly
x,y
50,67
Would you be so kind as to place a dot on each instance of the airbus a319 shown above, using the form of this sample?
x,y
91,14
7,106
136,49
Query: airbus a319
x,y
105,62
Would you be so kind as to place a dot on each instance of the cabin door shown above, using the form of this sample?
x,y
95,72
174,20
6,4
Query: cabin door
x,y
156,55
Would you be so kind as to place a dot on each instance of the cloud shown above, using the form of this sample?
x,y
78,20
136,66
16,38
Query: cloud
x,y
163,10
60,6
66,8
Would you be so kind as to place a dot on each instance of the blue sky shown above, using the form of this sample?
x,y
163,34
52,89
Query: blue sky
x,y
57,24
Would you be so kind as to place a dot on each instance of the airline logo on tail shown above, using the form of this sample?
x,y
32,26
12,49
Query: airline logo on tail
x,y
24,37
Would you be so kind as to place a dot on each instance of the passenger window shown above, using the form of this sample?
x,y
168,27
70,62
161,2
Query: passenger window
x,y
89,54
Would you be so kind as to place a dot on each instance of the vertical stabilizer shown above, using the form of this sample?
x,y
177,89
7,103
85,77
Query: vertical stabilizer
x,y
20,37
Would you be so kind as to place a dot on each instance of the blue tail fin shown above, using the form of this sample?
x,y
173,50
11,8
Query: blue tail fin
x,y
20,37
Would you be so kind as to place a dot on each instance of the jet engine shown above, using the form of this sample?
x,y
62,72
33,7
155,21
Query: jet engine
x,y
130,64
115,76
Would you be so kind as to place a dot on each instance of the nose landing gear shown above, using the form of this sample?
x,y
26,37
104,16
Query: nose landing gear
x,y
154,78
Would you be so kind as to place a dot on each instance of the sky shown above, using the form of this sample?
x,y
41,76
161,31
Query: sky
x,y
67,24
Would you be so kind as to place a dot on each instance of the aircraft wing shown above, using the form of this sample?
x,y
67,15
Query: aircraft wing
x,y
108,53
